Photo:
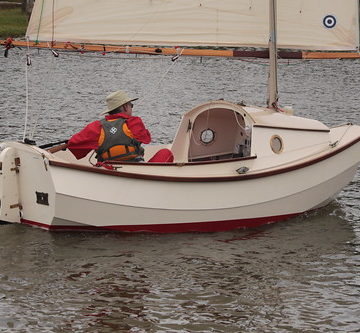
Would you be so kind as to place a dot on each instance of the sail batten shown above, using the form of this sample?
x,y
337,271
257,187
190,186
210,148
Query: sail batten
x,y
302,24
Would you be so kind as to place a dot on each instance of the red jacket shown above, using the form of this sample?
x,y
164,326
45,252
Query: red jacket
x,y
87,139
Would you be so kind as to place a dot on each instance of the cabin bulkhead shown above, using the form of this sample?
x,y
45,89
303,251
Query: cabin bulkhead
x,y
222,130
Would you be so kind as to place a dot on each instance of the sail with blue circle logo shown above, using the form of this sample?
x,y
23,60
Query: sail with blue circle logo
x,y
301,24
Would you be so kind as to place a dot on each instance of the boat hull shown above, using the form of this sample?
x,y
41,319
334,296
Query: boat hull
x,y
55,194
137,205
132,218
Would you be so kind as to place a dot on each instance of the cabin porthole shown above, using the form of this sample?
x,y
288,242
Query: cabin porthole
x,y
207,136
276,144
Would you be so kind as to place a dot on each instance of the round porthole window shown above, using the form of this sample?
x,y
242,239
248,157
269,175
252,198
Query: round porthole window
x,y
207,136
276,144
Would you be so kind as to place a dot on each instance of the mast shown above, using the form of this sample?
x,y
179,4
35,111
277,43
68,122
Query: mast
x,y
272,80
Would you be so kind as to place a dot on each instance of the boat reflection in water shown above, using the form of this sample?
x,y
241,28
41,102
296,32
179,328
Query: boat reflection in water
x,y
298,274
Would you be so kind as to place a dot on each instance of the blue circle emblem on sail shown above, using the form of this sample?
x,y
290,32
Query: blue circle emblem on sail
x,y
329,21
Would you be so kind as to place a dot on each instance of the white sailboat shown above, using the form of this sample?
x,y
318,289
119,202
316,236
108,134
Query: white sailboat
x,y
235,165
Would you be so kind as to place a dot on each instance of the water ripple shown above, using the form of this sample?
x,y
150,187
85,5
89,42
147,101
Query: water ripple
x,y
298,276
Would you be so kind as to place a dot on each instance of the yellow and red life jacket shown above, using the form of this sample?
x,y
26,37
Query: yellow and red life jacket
x,y
116,142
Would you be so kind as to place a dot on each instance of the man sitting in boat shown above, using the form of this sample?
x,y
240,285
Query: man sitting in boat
x,y
116,137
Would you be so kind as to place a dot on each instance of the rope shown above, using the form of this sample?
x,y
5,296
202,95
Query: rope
x,y
237,120
334,144
92,154
51,71
28,63
164,75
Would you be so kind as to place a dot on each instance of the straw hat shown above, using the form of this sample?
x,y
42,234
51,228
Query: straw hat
x,y
116,99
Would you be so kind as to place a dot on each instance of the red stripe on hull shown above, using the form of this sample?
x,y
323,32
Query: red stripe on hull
x,y
213,226
60,227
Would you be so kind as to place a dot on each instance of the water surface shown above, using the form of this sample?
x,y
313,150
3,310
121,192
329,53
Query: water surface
x,y
301,275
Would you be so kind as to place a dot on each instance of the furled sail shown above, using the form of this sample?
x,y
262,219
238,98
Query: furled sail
x,y
302,24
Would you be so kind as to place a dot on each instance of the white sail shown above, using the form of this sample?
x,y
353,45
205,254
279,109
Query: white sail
x,y
302,24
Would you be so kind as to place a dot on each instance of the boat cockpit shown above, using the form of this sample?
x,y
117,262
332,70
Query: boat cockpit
x,y
217,130
213,131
